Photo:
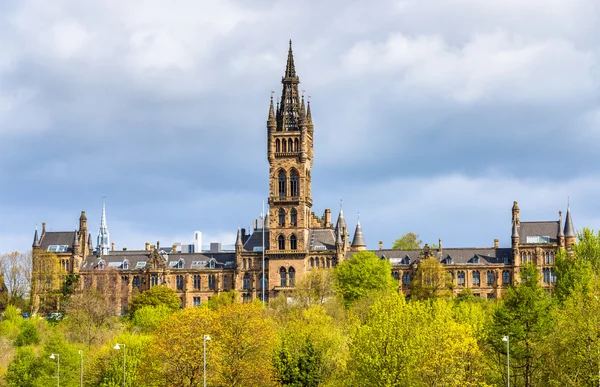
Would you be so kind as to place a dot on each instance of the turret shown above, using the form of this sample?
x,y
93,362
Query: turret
x,y
239,245
570,237
76,245
83,223
515,214
36,240
341,226
358,242
561,234
515,236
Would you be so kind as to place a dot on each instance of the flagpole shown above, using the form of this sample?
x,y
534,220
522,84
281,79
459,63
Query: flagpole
x,y
262,285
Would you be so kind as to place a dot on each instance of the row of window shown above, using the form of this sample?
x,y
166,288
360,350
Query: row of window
x,y
246,282
460,277
548,257
247,263
293,217
294,183
322,262
287,145
287,277
293,242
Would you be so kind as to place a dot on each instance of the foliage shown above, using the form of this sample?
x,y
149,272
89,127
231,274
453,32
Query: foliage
x,y
431,281
314,288
69,363
158,295
28,335
89,318
362,274
302,371
69,284
408,241
22,371
16,269
223,299
148,318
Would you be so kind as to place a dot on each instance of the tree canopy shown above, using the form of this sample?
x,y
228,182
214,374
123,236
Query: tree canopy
x,y
157,295
408,241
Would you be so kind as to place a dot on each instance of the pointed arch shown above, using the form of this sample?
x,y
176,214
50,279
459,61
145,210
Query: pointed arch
x,y
293,242
293,217
284,145
290,145
282,182
281,217
281,242
282,277
296,147
294,183
291,276
277,146
246,282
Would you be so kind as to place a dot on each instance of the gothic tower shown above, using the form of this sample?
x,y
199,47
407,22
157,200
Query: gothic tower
x,y
103,236
290,155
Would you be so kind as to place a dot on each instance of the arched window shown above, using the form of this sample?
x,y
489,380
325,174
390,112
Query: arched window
x,y
312,262
328,262
180,264
396,276
460,278
506,260
281,242
125,265
211,282
154,279
290,145
179,281
282,277
490,277
136,281
284,145
506,277
244,263
293,242
211,263
552,276
296,148
405,261
292,276
476,279
277,146
406,278
282,182
475,259
546,273
322,262
293,217
197,282
528,257
281,217
551,257
246,282
294,189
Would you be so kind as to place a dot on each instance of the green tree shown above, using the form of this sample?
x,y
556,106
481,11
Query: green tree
x,y
90,318
148,318
408,241
362,274
302,371
23,371
223,299
69,362
431,281
314,288
158,295
525,317
28,335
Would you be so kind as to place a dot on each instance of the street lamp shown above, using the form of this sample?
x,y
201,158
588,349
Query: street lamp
x,y
80,368
206,338
117,347
57,357
505,338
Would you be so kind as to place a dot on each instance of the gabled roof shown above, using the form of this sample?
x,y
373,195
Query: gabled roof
x,y
458,256
255,242
321,239
539,229
138,260
60,238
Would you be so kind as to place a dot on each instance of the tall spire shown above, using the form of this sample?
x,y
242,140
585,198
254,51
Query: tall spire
x,y
36,240
271,119
290,69
103,235
569,229
359,239
308,115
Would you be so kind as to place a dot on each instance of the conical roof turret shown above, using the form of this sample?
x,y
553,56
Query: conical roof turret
x,y
341,221
90,244
271,122
359,240
75,239
338,235
569,229
36,240
238,239
308,115
560,227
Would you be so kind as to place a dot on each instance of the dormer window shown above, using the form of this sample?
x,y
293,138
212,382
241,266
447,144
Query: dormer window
x,y
125,265
405,260
506,260
180,264
475,259
101,265
211,263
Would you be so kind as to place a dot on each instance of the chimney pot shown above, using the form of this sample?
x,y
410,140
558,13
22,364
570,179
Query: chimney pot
x,y
43,227
113,246
147,246
496,243
380,245
440,244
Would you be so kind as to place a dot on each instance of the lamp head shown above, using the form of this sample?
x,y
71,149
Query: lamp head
x,y
52,357
206,337
117,346
505,338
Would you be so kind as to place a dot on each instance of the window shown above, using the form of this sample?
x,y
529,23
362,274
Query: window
x,y
552,276
211,282
197,282
293,242
406,278
136,281
246,297
506,277
396,276
281,242
284,145
125,265
290,145
180,264
475,278
461,278
246,282
292,276
405,261
101,265
294,183
282,182
244,263
312,262
296,148
179,281
506,260
281,215
225,282
490,296
196,301
293,217
549,257
475,259
538,239
277,146
491,277
282,277
261,282
154,280
546,275
328,262
211,263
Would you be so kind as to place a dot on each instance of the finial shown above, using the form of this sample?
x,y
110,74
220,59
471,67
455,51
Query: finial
x,y
568,203
272,92
359,216
341,204
290,44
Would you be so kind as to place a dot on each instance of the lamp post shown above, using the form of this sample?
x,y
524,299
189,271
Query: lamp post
x,y
57,357
262,285
118,346
206,338
505,338
80,368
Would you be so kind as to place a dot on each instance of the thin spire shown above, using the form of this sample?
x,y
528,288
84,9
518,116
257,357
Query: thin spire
x,y
288,113
271,109
302,109
238,239
103,234
75,239
308,115
569,229
338,234
290,69
359,239
36,240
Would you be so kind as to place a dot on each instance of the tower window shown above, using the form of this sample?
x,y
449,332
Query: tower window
x,y
282,277
293,217
284,145
292,276
281,242
197,282
277,146
211,282
179,279
290,145
312,262
281,217
293,243
246,282
282,182
294,183
296,145
490,277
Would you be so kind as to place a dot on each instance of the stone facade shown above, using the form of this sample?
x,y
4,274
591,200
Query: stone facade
x,y
296,240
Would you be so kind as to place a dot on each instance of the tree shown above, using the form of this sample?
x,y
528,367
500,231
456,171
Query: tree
x,y
90,317
363,273
148,318
29,335
69,362
46,279
408,241
525,317
16,269
314,288
158,295
220,300
23,371
431,281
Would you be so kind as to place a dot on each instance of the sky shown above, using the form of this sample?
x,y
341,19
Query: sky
x,y
430,116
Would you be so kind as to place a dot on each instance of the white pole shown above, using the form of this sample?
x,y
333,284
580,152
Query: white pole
x,y
206,338
124,359
80,368
264,217
505,338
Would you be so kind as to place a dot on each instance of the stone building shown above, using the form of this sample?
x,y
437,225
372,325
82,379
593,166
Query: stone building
x,y
290,241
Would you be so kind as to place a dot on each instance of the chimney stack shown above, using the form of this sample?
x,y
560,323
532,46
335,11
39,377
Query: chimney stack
x,y
327,218
496,243
380,245
112,246
147,246
174,248
43,228
440,245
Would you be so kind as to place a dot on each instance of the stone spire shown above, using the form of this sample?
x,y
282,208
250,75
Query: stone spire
x,y
36,239
288,114
238,240
103,235
75,239
569,229
358,243
338,235
515,231
308,115
90,244
271,119
561,234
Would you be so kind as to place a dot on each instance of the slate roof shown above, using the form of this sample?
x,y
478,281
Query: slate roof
x,y
50,238
256,240
321,239
137,259
548,228
450,256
